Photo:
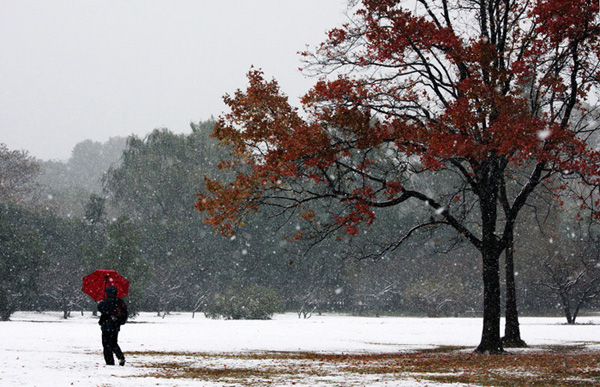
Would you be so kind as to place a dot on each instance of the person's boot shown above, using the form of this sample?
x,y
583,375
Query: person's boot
x,y
122,361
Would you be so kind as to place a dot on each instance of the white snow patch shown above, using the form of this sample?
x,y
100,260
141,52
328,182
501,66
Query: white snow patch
x,y
42,349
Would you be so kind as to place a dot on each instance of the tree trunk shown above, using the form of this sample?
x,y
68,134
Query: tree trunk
x,y
512,332
490,250
567,307
490,338
569,317
66,309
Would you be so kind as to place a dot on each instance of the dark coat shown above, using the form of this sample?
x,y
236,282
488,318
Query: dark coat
x,y
113,314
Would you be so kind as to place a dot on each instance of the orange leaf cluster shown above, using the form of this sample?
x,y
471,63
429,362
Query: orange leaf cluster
x,y
447,98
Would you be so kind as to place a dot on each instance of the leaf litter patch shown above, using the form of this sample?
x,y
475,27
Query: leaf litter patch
x,y
536,366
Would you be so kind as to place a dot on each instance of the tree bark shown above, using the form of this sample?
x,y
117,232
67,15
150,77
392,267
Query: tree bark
x,y
512,332
490,338
567,307
491,250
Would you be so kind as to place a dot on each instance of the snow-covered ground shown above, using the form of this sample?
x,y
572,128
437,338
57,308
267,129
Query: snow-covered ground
x,y
42,349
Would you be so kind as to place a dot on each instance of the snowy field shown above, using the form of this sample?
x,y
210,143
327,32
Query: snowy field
x,y
42,349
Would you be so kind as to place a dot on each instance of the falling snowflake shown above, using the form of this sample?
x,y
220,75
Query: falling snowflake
x,y
544,134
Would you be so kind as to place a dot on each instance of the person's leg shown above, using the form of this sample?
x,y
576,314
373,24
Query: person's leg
x,y
107,347
116,349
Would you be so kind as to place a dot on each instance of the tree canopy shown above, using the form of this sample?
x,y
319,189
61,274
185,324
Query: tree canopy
x,y
17,175
487,95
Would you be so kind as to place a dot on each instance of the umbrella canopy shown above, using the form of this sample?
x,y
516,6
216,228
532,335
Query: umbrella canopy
x,y
95,283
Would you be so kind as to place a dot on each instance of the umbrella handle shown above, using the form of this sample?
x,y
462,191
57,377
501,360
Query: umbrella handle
x,y
105,282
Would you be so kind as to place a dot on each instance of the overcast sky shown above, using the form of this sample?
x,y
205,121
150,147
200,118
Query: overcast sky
x,y
76,70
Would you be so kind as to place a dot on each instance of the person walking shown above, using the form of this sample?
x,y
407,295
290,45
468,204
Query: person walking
x,y
113,314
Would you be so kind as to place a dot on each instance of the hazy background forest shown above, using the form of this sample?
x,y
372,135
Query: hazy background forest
x,y
128,204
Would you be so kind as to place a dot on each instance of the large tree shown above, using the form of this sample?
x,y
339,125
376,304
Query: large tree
x,y
478,94
17,174
22,256
155,185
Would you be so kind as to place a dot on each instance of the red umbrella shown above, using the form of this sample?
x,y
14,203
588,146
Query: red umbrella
x,y
95,283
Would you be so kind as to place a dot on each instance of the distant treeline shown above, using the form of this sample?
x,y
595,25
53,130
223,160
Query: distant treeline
x,y
128,205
